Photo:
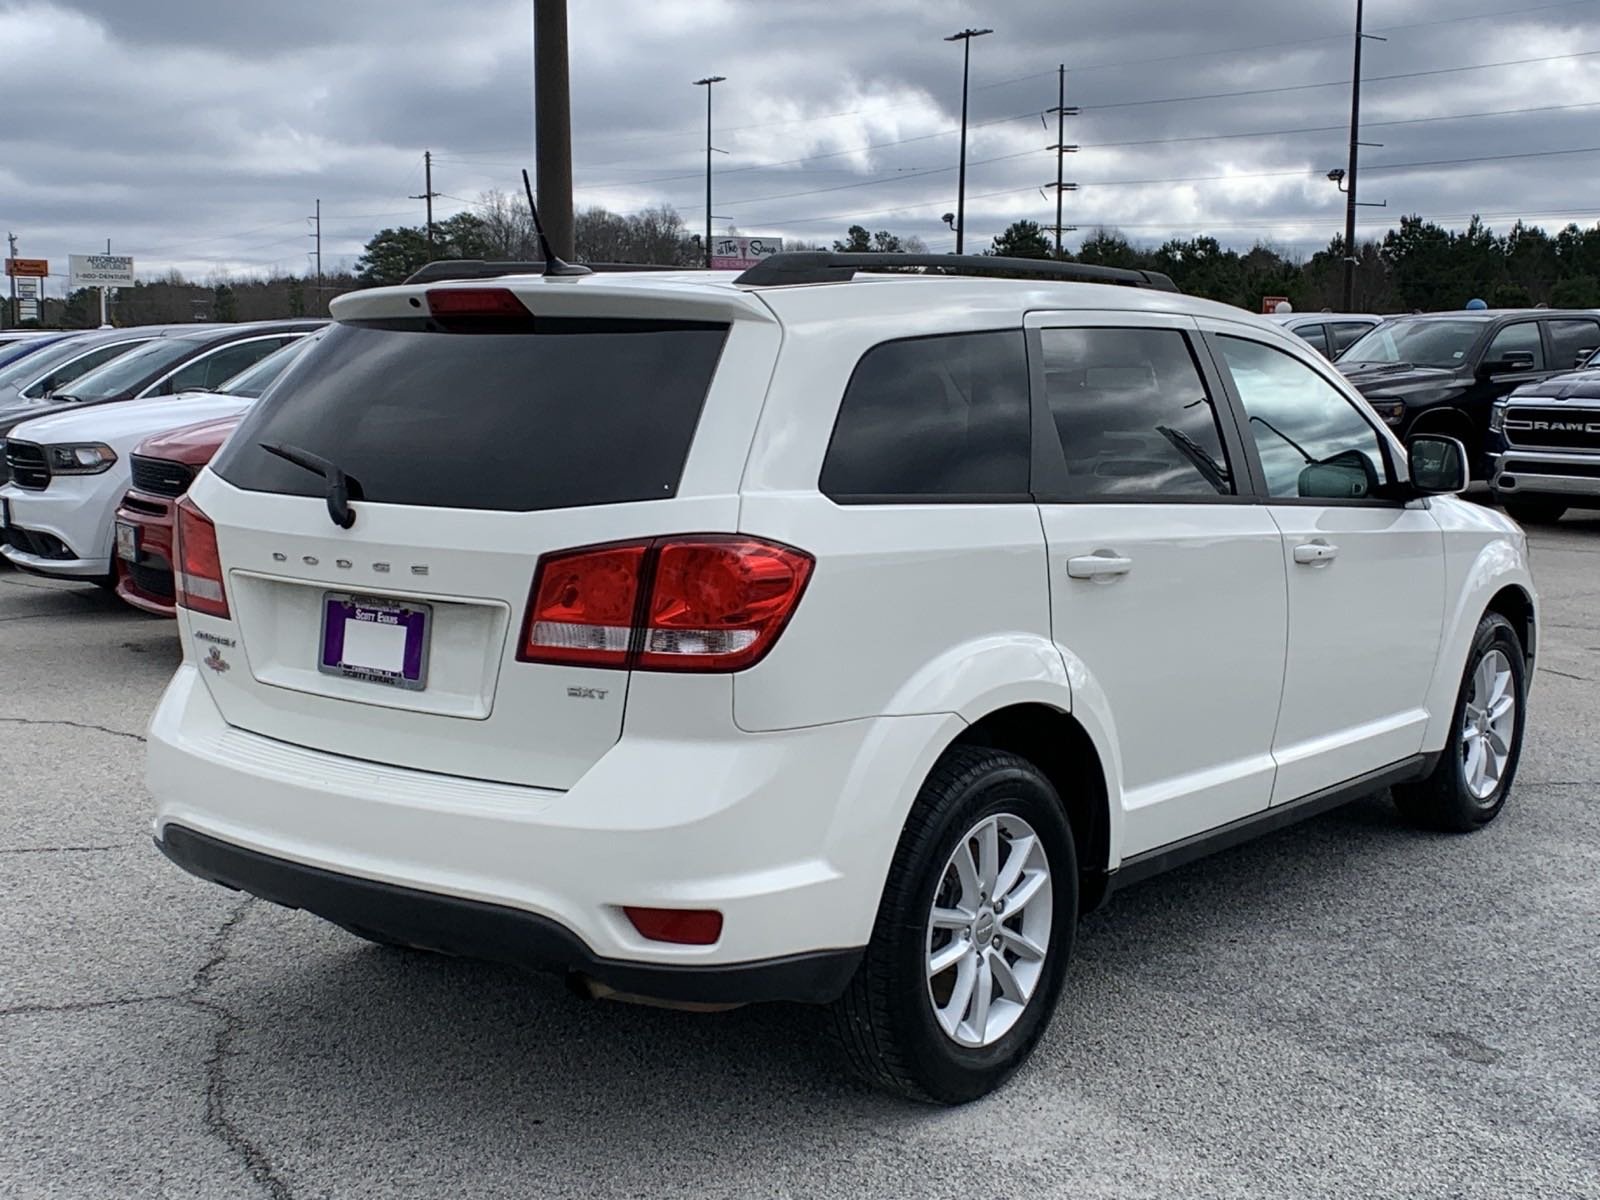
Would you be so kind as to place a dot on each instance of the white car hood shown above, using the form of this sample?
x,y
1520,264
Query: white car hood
x,y
125,424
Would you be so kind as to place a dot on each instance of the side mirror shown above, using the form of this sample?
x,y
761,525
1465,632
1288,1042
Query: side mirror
x,y
1438,465
1348,475
1513,361
1583,356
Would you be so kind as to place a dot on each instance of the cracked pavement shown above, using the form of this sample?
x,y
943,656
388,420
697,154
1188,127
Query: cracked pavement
x,y
1348,1008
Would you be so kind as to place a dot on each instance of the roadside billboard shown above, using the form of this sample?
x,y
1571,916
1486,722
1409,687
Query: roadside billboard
x,y
739,253
27,268
99,270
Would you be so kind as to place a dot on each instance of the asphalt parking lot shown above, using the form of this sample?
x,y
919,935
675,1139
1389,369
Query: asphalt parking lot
x,y
1348,1008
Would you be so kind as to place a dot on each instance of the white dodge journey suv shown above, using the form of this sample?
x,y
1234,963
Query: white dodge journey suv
x,y
803,636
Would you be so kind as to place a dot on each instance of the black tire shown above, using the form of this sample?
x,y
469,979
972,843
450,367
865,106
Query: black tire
x,y
1443,800
1530,510
885,1021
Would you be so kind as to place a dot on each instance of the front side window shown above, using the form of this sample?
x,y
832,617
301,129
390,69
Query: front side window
x,y
1133,415
1519,341
933,418
209,372
1344,334
61,369
1313,442
129,371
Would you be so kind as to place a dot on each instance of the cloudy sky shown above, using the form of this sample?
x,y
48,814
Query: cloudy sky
x,y
198,134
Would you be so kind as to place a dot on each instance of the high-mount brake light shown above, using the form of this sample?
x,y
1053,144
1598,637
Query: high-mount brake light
x,y
471,306
198,578
711,602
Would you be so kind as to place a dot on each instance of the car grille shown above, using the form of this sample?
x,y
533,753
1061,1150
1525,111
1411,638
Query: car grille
x,y
152,577
160,476
1512,466
1580,428
29,467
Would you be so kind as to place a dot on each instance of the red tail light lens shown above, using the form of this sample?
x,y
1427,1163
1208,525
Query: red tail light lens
x,y
681,926
478,309
714,603
584,606
718,604
198,578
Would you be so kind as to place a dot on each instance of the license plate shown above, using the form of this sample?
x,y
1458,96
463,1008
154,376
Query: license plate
x,y
127,542
378,640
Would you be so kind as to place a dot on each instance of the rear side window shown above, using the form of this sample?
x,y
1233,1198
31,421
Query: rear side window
x,y
1133,414
1315,334
576,412
1344,335
933,419
1571,342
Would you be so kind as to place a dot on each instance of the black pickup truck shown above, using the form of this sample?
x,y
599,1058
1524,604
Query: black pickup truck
x,y
1443,372
1544,446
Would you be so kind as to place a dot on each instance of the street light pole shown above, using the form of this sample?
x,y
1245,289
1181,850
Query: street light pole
x,y
706,83
1350,176
965,38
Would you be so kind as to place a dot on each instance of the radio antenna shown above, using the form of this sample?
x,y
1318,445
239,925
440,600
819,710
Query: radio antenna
x,y
552,264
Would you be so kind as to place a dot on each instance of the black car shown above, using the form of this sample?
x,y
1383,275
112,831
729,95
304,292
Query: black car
x,y
1544,446
1442,372
165,366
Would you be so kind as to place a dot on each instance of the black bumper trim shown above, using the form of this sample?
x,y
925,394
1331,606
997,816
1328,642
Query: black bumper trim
x,y
475,929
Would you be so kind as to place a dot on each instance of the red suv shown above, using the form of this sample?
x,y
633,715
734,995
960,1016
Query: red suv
x,y
163,468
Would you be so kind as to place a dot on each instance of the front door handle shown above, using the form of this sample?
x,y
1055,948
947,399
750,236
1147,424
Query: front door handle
x,y
1315,554
1102,565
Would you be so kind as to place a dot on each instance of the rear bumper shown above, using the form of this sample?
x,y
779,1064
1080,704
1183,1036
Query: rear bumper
x,y
1546,473
474,929
789,835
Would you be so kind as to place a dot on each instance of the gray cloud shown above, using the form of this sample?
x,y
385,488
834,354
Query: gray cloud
x,y
199,135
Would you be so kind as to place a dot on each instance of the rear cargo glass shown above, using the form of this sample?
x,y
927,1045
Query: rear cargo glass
x,y
575,412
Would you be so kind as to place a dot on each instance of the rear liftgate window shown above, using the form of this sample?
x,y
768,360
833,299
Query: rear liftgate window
x,y
557,413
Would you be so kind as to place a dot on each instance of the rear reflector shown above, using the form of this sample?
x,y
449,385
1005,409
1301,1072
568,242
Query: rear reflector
x,y
198,577
681,926
712,602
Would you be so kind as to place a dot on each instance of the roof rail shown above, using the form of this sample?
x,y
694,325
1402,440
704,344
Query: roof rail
x,y
477,268
824,266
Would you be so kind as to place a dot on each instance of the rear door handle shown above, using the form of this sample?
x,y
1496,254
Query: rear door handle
x,y
1103,565
1315,554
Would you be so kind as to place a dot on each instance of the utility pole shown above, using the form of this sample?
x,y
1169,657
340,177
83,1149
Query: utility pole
x,y
16,311
706,83
1351,203
316,234
552,103
428,194
1062,149
965,38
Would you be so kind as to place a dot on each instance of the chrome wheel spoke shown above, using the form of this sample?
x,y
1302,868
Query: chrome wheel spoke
x,y
1016,863
967,875
947,956
951,918
1497,743
982,995
988,839
1010,987
1032,884
1021,945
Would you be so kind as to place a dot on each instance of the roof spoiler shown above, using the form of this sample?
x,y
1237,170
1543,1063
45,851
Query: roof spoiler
x,y
477,268
823,266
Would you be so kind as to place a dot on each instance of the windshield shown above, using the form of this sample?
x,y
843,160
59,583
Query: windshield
x,y
132,369
1425,343
254,380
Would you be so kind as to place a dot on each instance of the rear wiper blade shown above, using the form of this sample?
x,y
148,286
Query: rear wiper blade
x,y
342,488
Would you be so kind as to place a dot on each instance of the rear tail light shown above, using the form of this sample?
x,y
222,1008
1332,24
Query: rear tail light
x,y
707,603
198,578
681,926
479,310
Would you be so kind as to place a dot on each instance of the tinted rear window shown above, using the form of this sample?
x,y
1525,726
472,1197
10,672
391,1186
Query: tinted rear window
x,y
577,412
